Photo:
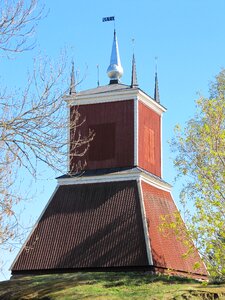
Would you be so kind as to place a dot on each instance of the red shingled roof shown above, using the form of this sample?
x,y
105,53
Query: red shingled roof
x,y
100,225
167,251
87,226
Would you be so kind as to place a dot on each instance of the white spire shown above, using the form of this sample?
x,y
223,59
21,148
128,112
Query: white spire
x,y
115,70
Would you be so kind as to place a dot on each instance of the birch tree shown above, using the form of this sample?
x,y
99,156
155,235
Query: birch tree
x,y
200,161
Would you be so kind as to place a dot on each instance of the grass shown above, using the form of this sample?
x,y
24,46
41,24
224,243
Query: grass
x,y
131,285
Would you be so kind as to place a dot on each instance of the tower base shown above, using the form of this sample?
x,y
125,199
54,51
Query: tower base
x,y
106,226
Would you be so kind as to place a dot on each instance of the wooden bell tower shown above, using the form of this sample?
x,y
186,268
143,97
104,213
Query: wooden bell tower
x,y
107,215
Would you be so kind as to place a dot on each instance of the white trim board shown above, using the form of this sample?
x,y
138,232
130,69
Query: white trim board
x,y
145,225
115,177
136,124
114,96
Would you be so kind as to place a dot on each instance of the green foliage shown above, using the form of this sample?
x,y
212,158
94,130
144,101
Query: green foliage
x,y
108,285
200,159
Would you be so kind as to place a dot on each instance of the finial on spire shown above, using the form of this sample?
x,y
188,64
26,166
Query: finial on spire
x,y
115,70
156,92
134,82
72,80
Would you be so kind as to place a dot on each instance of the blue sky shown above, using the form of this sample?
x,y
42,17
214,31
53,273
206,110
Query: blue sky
x,y
186,36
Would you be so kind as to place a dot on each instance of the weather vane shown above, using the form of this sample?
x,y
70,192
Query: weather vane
x,y
107,19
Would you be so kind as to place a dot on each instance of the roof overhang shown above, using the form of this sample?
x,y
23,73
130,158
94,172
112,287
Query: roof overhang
x,y
126,175
125,94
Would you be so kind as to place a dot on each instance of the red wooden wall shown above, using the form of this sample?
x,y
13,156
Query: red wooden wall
x,y
113,144
149,140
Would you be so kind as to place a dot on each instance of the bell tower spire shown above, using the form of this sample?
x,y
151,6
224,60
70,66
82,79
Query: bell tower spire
x,y
115,69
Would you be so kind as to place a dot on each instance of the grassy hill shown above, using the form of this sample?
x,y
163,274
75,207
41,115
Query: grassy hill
x,y
132,285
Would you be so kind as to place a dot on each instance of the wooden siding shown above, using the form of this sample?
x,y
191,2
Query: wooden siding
x,y
113,145
167,250
149,140
87,226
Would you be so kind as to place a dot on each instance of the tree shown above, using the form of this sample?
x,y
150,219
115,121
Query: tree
x,y
200,160
33,121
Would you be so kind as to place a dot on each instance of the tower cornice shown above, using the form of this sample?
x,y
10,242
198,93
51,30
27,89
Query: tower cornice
x,y
106,94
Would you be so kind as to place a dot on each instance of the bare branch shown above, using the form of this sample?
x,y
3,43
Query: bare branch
x,y
18,20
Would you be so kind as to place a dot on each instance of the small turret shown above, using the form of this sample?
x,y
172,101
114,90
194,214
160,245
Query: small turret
x,y
72,80
134,82
156,92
